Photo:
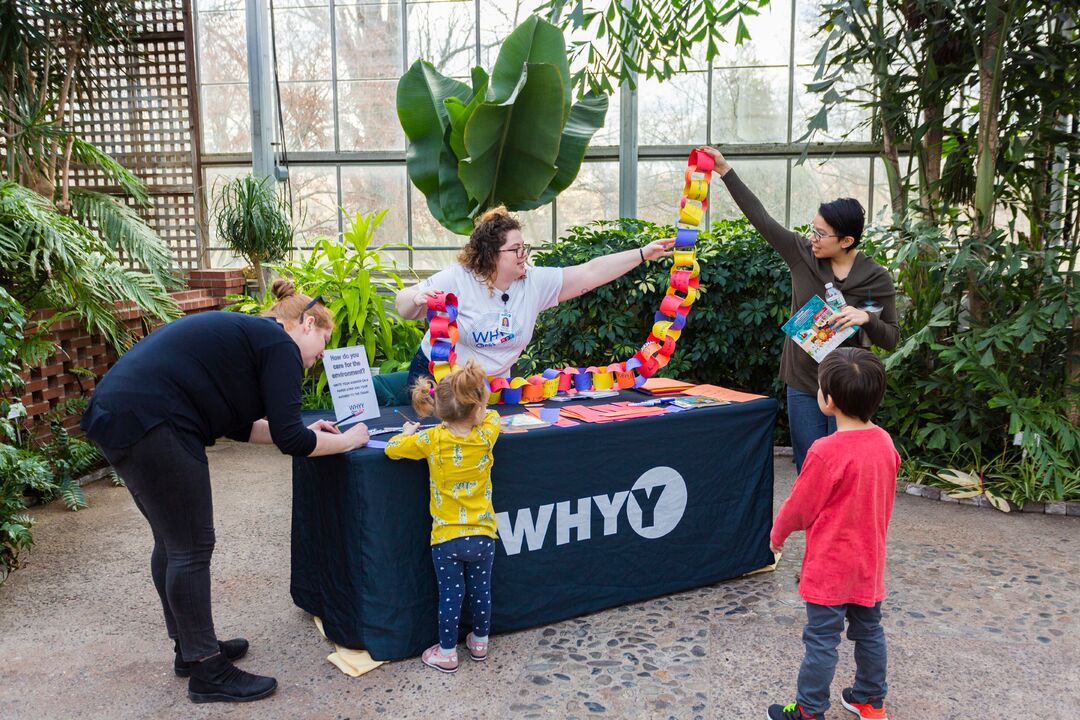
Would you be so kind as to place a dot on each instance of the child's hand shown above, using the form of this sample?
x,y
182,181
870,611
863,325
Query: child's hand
x,y
776,550
410,428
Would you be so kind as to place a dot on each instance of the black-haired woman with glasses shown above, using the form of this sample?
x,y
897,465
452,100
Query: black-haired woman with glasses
x,y
827,254
205,376
499,298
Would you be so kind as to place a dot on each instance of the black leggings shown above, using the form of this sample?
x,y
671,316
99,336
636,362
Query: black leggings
x,y
171,488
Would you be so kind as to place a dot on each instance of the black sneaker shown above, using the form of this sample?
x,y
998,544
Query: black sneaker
x,y
215,679
794,711
232,650
873,709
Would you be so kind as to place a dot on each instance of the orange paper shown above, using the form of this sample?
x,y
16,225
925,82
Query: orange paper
x,y
721,393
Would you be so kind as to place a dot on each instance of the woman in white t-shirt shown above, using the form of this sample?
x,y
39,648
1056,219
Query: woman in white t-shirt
x,y
499,298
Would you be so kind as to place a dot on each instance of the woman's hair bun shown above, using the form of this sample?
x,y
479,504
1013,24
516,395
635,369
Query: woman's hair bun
x,y
499,211
283,288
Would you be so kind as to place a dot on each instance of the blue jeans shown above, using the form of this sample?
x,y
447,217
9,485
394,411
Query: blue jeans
x,y
824,623
807,423
418,369
463,564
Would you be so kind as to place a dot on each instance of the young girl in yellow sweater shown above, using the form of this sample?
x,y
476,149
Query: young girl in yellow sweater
x,y
459,458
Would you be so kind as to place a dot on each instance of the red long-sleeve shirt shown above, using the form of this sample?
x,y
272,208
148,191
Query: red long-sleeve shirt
x,y
843,499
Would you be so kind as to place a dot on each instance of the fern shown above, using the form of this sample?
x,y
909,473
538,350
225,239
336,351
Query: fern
x,y
72,495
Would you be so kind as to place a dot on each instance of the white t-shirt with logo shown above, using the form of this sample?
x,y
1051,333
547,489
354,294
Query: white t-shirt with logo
x,y
492,332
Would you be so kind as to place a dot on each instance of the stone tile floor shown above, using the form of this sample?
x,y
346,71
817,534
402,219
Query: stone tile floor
x,y
982,619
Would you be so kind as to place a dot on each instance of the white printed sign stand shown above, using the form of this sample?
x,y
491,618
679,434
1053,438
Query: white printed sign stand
x,y
349,379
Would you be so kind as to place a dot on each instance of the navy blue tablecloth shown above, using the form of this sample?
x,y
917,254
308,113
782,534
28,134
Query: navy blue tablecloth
x,y
590,517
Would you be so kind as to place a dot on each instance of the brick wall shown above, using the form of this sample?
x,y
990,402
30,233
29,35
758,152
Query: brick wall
x,y
52,382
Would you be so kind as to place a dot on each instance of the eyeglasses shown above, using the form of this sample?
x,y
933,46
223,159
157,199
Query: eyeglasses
x,y
815,233
316,299
521,250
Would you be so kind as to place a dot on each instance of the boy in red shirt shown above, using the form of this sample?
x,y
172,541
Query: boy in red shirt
x,y
843,499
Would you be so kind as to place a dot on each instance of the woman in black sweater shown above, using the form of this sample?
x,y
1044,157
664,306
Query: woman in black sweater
x,y
202,377
826,254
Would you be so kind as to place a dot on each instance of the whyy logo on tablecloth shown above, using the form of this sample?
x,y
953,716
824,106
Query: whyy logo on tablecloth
x,y
654,506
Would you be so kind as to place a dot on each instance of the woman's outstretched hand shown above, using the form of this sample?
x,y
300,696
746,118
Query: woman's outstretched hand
x,y
658,249
721,162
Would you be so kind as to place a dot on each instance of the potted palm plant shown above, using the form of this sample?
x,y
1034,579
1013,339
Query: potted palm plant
x,y
253,219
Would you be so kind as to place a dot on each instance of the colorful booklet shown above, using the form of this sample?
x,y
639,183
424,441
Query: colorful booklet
x,y
810,329
697,401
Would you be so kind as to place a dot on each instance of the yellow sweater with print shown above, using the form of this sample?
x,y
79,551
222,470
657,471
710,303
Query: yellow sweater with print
x,y
460,470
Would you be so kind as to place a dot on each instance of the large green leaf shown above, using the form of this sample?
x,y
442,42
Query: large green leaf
x,y
451,204
586,117
513,144
534,41
430,161
460,112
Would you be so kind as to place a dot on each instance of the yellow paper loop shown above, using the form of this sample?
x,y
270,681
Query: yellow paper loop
x,y
603,380
697,190
691,214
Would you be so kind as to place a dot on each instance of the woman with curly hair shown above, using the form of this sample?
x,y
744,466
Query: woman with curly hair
x,y
499,297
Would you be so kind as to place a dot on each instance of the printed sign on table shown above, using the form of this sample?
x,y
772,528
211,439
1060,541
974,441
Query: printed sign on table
x,y
349,378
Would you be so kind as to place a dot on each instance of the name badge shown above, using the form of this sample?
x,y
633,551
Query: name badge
x,y
506,323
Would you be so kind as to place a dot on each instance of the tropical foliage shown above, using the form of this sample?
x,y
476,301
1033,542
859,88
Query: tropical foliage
x,y
61,245
620,40
514,138
358,281
254,219
984,237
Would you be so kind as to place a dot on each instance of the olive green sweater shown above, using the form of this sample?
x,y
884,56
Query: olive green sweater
x,y
866,280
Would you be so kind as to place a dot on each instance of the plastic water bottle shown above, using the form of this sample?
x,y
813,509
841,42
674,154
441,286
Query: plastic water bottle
x,y
833,297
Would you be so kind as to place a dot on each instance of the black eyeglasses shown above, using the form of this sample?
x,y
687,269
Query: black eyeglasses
x,y
316,299
521,250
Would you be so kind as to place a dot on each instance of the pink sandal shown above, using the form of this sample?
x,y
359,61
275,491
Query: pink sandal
x,y
477,650
433,657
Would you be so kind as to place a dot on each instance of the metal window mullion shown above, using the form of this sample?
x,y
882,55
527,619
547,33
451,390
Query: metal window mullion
x,y
790,110
870,200
260,87
476,6
334,74
340,204
708,129
408,187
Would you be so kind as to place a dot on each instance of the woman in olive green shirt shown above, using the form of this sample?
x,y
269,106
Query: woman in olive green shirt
x,y
828,254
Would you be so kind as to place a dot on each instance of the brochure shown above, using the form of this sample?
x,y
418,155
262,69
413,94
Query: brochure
x,y
810,329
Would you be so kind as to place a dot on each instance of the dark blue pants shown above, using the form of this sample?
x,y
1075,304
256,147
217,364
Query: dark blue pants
x,y
463,564
807,423
824,624
418,369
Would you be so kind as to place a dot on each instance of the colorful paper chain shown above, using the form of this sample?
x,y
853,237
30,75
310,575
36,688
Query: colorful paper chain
x,y
668,323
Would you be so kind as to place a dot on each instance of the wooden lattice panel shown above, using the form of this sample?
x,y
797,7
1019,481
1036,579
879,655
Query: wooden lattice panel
x,y
145,114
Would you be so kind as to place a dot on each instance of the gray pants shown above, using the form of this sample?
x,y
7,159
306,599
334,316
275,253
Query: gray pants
x,y
824,624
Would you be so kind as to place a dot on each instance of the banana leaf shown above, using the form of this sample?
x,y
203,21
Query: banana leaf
x,y
534,41
430,161
586,117
513,145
